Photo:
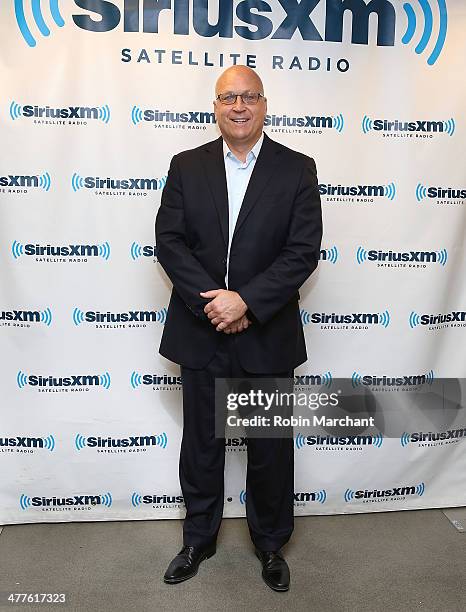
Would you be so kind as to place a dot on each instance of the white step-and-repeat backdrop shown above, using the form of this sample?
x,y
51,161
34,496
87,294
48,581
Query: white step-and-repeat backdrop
x,y
95,98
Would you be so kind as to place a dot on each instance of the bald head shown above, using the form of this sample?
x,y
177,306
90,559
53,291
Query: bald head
x,y
239,73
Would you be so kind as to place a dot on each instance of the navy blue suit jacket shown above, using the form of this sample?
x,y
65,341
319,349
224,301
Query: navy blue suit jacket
x,y
275,247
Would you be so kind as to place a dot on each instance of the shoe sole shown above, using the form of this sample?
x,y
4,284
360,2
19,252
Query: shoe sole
x,y
207,555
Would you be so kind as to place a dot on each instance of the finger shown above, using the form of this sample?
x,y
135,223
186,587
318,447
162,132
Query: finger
x,y
221,326
210,294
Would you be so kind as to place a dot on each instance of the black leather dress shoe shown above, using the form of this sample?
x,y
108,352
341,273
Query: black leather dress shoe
x,y
186,563
275,570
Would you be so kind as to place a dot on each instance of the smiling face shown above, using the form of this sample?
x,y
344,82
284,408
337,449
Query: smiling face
x,y
240,124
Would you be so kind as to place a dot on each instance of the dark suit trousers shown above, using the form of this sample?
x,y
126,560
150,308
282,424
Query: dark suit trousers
x,y
270,470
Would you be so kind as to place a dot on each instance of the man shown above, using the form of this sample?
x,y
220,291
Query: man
x,y
238,232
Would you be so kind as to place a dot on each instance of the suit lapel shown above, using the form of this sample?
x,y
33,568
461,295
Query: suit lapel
x,y
214,167
265,166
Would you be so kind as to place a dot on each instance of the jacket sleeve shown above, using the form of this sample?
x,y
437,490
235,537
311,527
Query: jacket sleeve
x,y
269,291
185,272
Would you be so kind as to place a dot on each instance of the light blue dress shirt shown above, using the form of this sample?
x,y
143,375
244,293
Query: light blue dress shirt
x,y
238,175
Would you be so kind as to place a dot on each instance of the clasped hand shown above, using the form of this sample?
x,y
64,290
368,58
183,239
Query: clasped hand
x,y
226,310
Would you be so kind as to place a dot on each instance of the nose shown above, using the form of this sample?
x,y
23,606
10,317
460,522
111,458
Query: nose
x,y
239,104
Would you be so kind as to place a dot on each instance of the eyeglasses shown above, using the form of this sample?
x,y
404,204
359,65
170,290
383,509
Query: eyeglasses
x,y
249,98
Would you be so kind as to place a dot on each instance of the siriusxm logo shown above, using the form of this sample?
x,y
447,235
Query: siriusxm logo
x,y
23,318
147,250
72,252
81,381
404,257
357,193
443,195
324,380
133,317
137,499
334,441
328,321
455,318
130,186
392,381
302,498
256,21
26,502
330,255
166,381
309,123
430,438
382,495
26,181
24,442
189,119
418,128
129,442
41,114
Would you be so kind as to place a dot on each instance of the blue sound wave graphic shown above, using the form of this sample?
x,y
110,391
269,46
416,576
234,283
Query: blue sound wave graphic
x,y
428,30
366,124
390,191
104,250
45,181
384,318
300,441
17,249
414,320
105,380
332,254
104,113
356,379
106,499
80,442
49,443
38,18
135,380
377,440
305,317
16,110
442,257
78,316
242,497
136,500
321,496
162,440
361,255
136,115
25,501
420,488
405,439
421,192
349,495
77,182
46,317
326,379
136,250
21,379
161,315
449,126
338,123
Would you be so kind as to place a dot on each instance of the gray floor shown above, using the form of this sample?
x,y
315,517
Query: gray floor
x,y
414,560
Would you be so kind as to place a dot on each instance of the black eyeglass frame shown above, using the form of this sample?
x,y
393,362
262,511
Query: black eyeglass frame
x,y
246,93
